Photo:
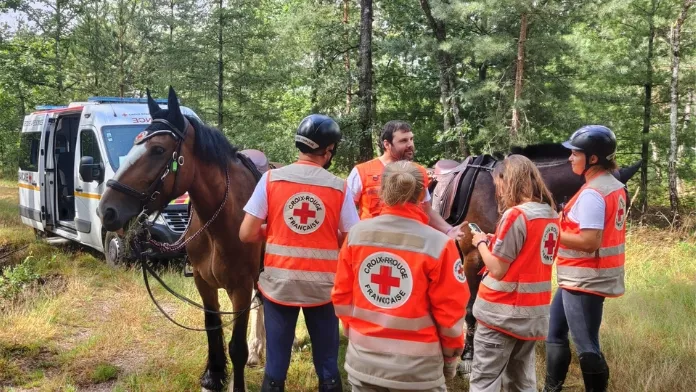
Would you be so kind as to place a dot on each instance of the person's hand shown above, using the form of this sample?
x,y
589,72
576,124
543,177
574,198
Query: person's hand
x,y
479,237
450,367
456,232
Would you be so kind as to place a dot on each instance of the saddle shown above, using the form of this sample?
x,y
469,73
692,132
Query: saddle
x,y
455,184
258,158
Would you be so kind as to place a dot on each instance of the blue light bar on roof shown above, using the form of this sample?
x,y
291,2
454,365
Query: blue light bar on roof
x,y
49,107
124,100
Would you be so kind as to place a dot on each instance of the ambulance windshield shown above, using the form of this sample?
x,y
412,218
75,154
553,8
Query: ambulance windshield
x,y
119,140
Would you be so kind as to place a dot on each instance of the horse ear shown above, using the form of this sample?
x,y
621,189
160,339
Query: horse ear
x,y
151,104
174,110
173,102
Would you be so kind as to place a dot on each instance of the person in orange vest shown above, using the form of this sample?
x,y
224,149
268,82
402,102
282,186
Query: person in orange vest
x,y
400,293
590,263
512,306
307,210
396,142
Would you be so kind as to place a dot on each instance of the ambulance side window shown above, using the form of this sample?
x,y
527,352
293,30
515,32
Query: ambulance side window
x,y
29,151
89,147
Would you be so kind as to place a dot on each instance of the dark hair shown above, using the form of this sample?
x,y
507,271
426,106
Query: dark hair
x,y
389,129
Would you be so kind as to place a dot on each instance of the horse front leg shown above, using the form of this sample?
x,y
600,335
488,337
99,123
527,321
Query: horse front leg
x,y
257,338
238,348
472,266
215,374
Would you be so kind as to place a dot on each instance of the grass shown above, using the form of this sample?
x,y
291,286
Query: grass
x,y
85,326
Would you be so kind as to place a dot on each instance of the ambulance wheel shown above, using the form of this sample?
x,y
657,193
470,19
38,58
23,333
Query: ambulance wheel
x,y
40,235
114,249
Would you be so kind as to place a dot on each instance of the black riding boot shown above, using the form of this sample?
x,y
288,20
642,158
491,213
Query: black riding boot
x,y
332,385
557,362
595,372
272,386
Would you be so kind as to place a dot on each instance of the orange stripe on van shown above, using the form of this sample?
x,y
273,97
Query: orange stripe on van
x,y
28,186
95,196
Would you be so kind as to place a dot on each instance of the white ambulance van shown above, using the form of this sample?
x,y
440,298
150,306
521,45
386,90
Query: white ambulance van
x,y
67,155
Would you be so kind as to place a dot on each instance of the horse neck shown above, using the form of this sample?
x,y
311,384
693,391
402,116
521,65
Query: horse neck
x,y
207,193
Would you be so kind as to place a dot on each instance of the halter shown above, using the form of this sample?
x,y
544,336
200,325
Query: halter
x,y
153,191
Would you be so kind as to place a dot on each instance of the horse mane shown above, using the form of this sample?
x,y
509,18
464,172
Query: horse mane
x,y
542,152
211,145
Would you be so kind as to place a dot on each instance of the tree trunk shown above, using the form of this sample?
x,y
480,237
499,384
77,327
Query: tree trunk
x,y
519,75
448,80
59,60
674,102
346,57
647,108
121,51
365,82
221,68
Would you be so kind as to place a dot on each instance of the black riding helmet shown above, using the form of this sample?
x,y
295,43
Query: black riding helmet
x,y
315,132
594,140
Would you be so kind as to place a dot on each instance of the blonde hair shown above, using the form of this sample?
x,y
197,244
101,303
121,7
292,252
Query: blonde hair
x,y
402,182
517,180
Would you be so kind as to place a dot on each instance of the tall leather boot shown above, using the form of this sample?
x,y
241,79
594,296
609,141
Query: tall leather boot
x,y
269,385
331,385
595,372
557,362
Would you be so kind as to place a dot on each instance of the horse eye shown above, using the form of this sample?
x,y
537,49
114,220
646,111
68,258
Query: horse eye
x,y
157,150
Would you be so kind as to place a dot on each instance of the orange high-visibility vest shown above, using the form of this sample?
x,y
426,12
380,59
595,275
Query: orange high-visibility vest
x,y
304,209
401,295
601,272
518,304
370,172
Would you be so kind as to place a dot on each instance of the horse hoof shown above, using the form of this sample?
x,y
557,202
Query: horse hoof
x,y
253,360
464,367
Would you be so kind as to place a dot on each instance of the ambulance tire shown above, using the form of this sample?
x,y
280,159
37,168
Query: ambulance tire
x,y
114,249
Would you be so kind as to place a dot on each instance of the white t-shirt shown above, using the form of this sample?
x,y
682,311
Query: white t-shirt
x,y
258,205
588,210
355,185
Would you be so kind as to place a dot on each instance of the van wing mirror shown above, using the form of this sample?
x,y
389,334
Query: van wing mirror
x,y
90,171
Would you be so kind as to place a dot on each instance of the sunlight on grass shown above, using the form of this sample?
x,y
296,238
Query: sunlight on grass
x,y
98,326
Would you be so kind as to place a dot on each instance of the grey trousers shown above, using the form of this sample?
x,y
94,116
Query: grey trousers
x,y
359,386
501,360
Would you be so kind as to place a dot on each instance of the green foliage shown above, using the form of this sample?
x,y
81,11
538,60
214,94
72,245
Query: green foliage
x,y
585,62
104,372
14,279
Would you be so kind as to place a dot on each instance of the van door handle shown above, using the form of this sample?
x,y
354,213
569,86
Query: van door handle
x,y
33,183
78,189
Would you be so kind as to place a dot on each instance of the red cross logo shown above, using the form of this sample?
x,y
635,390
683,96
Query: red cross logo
x,y
460,269
621,214
385,280
304,213
550,243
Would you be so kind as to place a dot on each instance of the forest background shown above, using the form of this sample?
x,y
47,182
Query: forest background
x,y
471,76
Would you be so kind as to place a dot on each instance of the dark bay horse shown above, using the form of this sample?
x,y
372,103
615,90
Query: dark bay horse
x,y
552,162
176,154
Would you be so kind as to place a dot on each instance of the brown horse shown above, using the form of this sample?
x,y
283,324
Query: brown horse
x,y
176,154
552,162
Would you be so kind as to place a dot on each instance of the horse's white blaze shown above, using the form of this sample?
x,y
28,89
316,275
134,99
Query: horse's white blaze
x,y
134,154
257,337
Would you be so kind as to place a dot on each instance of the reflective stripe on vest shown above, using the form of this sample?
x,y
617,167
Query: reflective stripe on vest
x,y
401,347
302,287
509,287
601,252
305,253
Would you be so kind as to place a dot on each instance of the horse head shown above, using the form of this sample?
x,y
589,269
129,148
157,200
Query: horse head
x,y
154,172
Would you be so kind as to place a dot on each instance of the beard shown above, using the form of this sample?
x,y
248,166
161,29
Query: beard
x,y
403,155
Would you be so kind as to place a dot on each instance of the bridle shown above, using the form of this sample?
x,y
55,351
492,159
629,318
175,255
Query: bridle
x,y
153,191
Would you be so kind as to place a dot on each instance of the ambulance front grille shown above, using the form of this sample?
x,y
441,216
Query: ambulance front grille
x,y
176,220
